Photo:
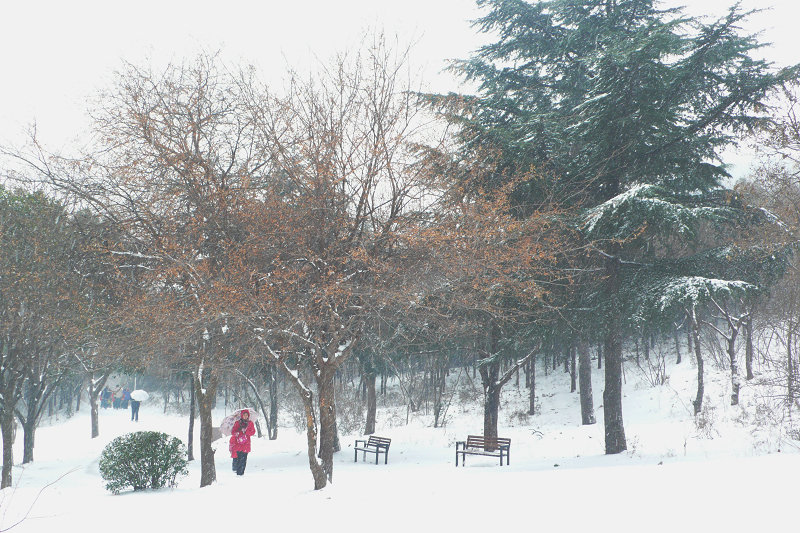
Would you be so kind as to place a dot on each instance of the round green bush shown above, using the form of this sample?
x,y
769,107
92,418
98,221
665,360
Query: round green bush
x,y
142,460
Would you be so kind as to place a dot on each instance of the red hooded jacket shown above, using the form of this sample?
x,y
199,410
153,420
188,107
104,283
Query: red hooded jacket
x,y
240,436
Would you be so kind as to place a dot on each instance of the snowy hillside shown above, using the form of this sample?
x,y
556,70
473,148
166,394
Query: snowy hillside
x,y
726,475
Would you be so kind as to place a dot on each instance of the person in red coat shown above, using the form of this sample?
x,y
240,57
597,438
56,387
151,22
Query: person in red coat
x,y
239,446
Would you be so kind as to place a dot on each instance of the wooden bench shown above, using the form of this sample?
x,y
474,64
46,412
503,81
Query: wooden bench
x,y
480,445
376,445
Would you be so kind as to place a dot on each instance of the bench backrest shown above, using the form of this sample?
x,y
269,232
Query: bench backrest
x,y
379,442
487,443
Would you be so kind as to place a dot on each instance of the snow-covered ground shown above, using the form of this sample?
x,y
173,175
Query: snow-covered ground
x,y
729,475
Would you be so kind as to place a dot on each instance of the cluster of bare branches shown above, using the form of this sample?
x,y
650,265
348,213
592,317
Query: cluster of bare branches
x,y
256,228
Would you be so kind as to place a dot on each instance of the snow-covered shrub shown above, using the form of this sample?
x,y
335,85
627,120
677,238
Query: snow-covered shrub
x,y
633,447
142,460
294,411
705,421
469,395
519,418
793,433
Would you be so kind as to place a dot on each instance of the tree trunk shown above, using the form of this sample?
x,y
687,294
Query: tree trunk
x,y
789,363
585,379
748,349
7,430
527,370
337,445
369,381
93,393
734,368
327,420
677,346
612,395
599,357
439,368
192,414
317,472
491,409
573,378
78,398
272,380
694,328
37,397
490,372
28,438
95,416
532,392
206,391
307,397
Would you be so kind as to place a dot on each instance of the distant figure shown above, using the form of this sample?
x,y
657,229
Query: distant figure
x,y
239,445
126,397
135,409
105,398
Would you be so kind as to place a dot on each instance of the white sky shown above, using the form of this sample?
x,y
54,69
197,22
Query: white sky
x,y
55,54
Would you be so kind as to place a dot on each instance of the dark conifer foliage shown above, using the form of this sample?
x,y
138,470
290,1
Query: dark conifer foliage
x,y
611,93
624,108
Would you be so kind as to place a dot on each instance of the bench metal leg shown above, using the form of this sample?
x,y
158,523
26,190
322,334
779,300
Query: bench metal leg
x,y
377,455
508,458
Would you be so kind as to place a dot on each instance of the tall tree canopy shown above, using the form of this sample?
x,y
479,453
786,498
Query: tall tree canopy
x,y
625,108
610,93
53,291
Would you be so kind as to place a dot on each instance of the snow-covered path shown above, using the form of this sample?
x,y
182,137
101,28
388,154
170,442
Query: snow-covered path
x,y
672,479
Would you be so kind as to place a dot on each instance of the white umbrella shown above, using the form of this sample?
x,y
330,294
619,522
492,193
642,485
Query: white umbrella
x,y
226,426
139,395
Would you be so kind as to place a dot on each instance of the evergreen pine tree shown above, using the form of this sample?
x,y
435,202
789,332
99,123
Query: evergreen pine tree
x,y
625,108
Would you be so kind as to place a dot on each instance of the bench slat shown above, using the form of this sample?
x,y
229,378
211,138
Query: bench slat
x,y
373,444
481,445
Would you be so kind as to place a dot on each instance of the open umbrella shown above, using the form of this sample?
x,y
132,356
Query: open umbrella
x,y
226,426
139,395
